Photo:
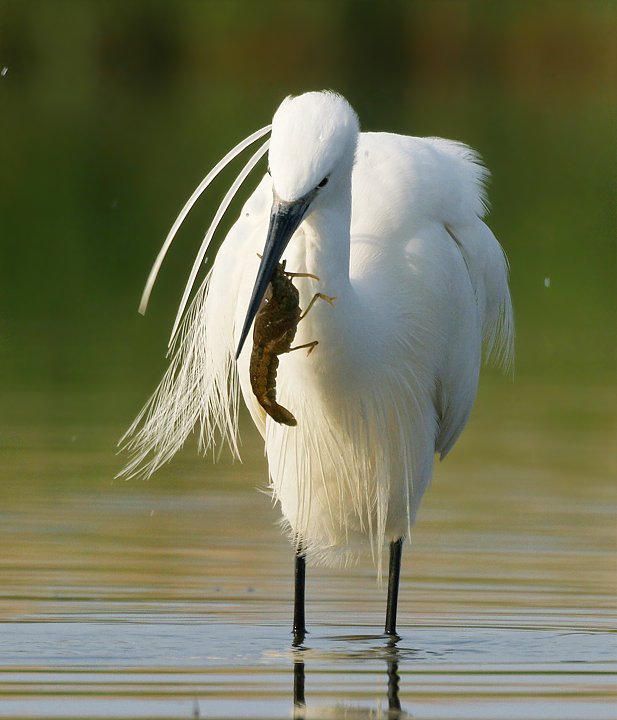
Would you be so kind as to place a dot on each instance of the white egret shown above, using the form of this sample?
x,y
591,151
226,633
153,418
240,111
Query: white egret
x,y
391,226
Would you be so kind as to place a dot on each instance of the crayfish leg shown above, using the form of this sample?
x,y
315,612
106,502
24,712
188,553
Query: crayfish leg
x,y
310,346
318,296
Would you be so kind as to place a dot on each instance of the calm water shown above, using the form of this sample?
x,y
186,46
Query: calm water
x,y
172,598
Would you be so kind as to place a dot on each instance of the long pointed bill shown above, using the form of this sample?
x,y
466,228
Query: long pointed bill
x,y
285,217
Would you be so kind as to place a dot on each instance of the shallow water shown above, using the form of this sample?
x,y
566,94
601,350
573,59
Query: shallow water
x,y
172,597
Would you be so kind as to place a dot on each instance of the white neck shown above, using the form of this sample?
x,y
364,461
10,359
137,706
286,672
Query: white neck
x,y
325,249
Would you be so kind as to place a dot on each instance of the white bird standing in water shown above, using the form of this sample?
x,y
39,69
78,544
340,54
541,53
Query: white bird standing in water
x,y
391,226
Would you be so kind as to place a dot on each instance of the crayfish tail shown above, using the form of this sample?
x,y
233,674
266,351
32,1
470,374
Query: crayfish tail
x,y
277,412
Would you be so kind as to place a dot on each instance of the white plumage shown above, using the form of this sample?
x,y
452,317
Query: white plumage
x,y
396,234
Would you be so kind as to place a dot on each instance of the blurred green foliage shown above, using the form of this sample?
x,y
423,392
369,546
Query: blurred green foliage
x,y
111,112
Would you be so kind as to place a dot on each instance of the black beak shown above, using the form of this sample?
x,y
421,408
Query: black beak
x,y
285,217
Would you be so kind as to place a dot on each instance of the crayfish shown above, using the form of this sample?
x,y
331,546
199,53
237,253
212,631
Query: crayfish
x,y
275,328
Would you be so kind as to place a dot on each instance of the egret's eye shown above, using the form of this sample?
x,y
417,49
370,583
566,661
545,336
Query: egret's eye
x,y
323,182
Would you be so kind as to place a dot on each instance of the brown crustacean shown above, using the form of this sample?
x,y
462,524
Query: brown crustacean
x,y
275,328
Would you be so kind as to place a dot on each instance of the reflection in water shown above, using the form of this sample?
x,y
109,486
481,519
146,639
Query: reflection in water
x,y
394,704
392,657
299,701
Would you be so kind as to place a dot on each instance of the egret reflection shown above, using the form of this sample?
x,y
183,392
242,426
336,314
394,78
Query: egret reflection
x,y
304,710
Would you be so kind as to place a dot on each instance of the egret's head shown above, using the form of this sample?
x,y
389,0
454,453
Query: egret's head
x,y
312,150
314,138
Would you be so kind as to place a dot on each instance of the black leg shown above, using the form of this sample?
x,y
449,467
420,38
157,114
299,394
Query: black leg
x,y
299,628
396,551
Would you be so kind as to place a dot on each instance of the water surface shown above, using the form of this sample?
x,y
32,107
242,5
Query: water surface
x,y
172,597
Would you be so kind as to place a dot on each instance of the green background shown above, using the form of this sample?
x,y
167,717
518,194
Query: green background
x,y
111,113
